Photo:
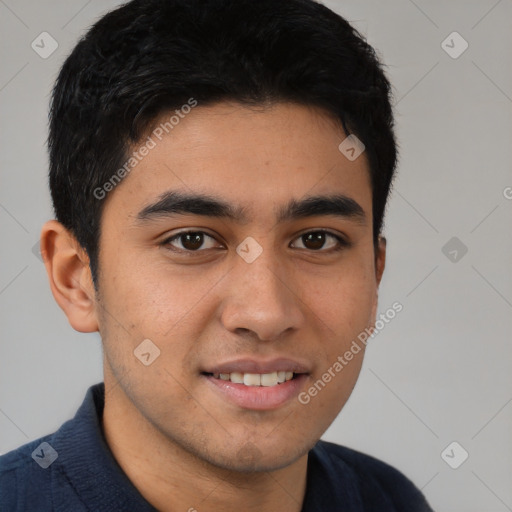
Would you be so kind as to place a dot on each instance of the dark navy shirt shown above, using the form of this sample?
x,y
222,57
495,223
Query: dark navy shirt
x,y
73,470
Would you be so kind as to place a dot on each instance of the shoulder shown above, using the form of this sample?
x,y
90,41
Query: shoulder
x,y
361,463
379,485
24,478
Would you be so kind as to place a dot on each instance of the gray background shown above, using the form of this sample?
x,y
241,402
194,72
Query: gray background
x,y
440,371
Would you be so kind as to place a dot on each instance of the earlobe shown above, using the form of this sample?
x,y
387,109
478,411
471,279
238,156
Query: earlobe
x,y
67,265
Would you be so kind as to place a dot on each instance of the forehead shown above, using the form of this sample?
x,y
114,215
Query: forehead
x,y
252,157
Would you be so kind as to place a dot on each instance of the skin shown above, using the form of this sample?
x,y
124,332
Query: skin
x,y
178,440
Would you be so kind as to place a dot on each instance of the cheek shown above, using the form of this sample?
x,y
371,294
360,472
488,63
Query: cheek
x,y
329,389
343,300
154,299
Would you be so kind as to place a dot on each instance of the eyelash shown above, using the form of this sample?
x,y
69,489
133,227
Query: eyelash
x,y
342,243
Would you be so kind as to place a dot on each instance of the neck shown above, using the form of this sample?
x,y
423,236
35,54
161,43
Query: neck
x,y
172,479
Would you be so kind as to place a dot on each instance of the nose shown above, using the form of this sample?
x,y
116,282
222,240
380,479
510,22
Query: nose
x,y
261,298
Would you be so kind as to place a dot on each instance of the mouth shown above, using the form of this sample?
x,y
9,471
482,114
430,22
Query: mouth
x,y
257,385
255,379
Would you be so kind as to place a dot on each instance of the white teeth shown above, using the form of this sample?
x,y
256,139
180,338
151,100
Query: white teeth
x,y
237,378
256,379
252,379
269,379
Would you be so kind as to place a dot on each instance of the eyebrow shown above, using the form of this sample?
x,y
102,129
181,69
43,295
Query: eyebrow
x,y
179,203
338,205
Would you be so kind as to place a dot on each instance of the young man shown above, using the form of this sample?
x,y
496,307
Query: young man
x,y
219,172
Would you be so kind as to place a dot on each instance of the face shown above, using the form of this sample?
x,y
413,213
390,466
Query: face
x,y
241,246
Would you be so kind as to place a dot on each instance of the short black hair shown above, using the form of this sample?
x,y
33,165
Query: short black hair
x,y
148,57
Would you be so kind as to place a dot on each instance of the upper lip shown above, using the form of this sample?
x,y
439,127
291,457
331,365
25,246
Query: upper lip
x,y
281,364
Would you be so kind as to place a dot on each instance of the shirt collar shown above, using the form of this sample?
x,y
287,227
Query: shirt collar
x,y
88,465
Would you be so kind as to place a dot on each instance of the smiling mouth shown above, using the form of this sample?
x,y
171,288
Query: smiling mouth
x,y
255,379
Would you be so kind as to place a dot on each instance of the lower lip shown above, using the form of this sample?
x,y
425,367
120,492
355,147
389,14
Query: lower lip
x,y
258,397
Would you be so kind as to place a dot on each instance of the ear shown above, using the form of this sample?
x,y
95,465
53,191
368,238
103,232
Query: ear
x,y
380,259
67,265
380,263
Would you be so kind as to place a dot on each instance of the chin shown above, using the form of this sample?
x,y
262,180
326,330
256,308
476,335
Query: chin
x,y
254,457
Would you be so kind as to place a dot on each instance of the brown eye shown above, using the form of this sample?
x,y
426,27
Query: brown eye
x,y
190,241
317,240
314,241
